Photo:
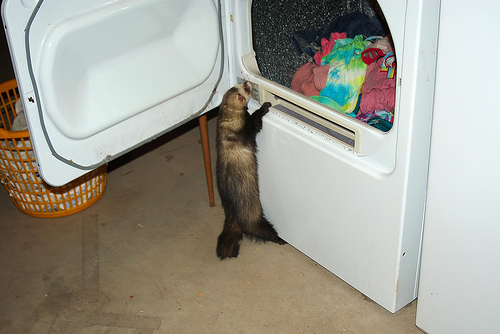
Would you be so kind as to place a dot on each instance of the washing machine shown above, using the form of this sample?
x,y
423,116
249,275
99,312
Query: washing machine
x,y
99,78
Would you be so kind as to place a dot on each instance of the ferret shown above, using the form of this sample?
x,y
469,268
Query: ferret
x,y
237,178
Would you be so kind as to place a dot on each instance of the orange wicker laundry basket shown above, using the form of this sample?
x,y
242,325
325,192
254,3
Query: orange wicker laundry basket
x,y
19,171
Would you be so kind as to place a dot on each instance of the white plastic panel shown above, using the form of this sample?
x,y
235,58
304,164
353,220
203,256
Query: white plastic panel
x,y
359,213
459,285
106,65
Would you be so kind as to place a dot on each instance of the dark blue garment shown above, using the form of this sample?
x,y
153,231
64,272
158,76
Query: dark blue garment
x,y
308,43
380,123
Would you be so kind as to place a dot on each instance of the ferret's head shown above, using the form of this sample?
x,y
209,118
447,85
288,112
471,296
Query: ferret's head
x,y
244,91
238,96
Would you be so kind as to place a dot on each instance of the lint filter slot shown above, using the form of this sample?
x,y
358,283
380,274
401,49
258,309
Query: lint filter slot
x,y
316,123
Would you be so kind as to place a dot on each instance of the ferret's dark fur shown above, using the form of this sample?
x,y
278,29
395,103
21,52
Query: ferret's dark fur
x,y
237,177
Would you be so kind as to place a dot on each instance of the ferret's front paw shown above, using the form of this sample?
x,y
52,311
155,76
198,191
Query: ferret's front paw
x,y
265,108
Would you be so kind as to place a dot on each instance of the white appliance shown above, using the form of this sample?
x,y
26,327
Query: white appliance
x,y
100,77
460,275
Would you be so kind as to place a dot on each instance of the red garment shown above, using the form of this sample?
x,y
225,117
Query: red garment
x,y
378,91
327,45
310,79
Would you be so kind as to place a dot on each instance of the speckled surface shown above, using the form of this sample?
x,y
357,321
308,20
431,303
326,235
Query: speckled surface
x,y
275,21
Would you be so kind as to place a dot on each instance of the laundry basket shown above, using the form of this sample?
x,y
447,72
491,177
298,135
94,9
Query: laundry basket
x,y
19,172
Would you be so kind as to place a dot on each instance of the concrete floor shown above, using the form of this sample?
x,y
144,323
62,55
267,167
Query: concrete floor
x,y
142,260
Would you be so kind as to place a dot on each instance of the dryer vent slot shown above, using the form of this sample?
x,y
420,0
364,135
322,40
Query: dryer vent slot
x,y
318,124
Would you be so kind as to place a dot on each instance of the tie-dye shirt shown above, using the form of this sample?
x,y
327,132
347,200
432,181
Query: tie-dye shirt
x,y
346,74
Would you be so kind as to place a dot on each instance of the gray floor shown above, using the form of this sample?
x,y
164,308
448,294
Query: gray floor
x,y
142,260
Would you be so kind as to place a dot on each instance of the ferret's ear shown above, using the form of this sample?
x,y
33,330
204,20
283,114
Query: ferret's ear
x,y
241,98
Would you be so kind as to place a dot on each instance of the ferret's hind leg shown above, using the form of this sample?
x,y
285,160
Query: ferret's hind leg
x,y
228,244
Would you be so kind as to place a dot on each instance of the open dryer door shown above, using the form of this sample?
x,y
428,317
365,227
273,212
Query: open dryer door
x,y
100,77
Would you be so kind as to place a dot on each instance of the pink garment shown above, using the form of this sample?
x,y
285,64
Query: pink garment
x,y
327,45
310,79
378,91
383,44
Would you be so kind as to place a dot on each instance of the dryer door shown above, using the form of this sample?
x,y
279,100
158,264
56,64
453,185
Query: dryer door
x,y
100,77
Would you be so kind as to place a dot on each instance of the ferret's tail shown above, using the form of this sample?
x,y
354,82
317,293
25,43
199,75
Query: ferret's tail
x,y
263,230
